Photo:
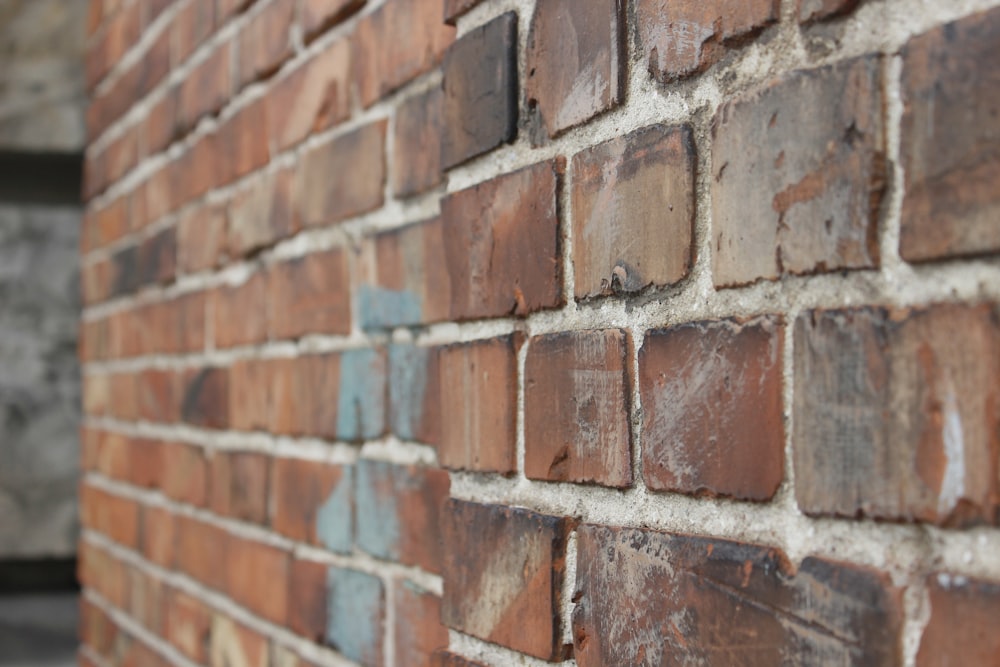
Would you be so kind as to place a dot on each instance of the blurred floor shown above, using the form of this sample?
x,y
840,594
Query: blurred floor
x,y
38,630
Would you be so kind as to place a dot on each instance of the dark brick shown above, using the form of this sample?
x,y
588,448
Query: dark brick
x,y
892,418
416,163
633,211
798,175
503,576
695,600
576,408
206,398
502,244
963,622
157,259
950,152
713,420
480,91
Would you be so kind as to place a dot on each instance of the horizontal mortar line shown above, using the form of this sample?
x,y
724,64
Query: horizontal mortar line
x,y
779,523
358,560
494,654
217,602
388,449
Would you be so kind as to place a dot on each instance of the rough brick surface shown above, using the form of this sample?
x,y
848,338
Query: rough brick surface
x,y
950,152
894,420
714,602
712,410
576,400
506,565
633,211
575,61
962,626
798,175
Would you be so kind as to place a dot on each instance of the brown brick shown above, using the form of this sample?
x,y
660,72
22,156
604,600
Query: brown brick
x,y
188,625
318,15
682,38
265,40
503,576
358,158
307,592
418,628
244,140
713,421
799,174
192,25
240,485
262,213
950,155
576,408
455,8
228,8
205,401
416,163
158,536
257,576
478,397
240,312
396,43
198,170
309,502
160,125
892,418
156,395
716,602
96,628
235,644
310,295
818,10
103,573
633,211
154,65
114,517
201,238
206,89
962,626
569,90
479,110
120,34
502,244
201,551
312,98
185,474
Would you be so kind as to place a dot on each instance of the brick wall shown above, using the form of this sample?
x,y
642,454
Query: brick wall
x,y
461,332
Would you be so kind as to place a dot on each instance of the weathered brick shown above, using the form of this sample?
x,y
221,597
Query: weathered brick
x,y
265,40
950,155
356,615
396,43
235,644
156,261
205,401
803,195
418,629
307,612
240,485
201,238
479,110
120,34
188,625
713,421
257,576
819,10
146,601
682,38
503,576
414,391
416,163
397,512
576,408
103,573
206,90
199,169
716,602
633,211
240,314
312,98
358,159
312,502
576,60
262,213
502,244
318,15
160,125
894,420
154,65
478,398
962,626
310,295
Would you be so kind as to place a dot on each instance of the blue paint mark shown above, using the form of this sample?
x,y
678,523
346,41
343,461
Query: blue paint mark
x,y
378,521
354,611
383,308
407,388
361,401
335,519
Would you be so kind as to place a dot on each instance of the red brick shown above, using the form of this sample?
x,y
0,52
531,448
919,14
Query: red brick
x,y
265,40
633,211
713,421
120,34
206,89
257,576
502,244
312,98
146,601
185,474
300,491
804,194
818,10
156,395
244,140
679,39
158,536
949,155
310,295
478,401
154,8
192,25
240,485
892,418
146,463
199,169
114,517
154,65
97,631
566,89
318,15
307,612
397,42
205,400
416,163
962,626
202,551
236,645
358,158
503,576
455,8
711,601
188,625
124,403
479,109
262,214
104,574
240,312
576,408
160,125
418,629
201,238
